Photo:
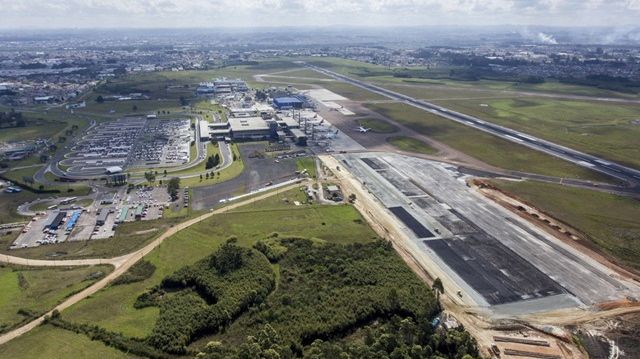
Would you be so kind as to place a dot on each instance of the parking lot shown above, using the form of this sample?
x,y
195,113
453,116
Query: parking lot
x,y
131,142
96,221
499,260
258,172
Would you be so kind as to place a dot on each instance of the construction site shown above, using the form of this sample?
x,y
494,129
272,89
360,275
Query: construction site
x,y
502,276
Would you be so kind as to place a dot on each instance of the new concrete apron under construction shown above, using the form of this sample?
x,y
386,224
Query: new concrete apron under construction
x,y
494,257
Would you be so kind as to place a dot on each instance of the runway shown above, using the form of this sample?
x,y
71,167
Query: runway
x,y
627,174
496,258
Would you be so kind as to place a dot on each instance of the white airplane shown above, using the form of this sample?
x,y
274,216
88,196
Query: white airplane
x,y
363,129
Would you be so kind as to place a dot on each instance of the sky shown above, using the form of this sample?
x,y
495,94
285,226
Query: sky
x,y
43,14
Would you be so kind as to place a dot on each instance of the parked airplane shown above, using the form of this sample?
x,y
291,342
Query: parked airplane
x,y
363,129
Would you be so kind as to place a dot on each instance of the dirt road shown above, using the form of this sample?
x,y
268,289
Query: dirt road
x,y
121,264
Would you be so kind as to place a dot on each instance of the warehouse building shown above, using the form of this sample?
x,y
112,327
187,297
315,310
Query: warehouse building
x,y
287,103
102,217
249,128
204,130
57,221
299,137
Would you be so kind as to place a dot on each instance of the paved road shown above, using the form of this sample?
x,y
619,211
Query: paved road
x,y
257,173
624,173
121,264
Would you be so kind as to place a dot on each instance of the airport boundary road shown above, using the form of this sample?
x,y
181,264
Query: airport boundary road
x,y
627,174
122,263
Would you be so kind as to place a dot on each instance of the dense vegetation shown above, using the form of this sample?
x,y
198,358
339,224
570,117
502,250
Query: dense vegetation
x,y
332,300
11,119
212,161
396,338
138,272
172,188
328,290
207,296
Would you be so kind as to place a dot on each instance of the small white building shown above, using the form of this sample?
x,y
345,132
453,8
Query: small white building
x,y
111,170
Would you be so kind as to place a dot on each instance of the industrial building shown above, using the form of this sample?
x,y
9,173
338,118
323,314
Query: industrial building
x,y
111,170
253,128
287,103
102,217
57,221
222,86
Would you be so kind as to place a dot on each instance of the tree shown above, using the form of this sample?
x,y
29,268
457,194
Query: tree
x,y
150,176
100,99
134,108
228,258
172,188
437,286
212,161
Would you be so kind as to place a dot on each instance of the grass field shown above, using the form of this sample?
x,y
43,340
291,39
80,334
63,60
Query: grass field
x,y
485,147
603,129
349,91
234,170
9,202
304,73
34,129
37,290
409,144
307,163
19,176
50,342
610,221
440,76
377,126
113,307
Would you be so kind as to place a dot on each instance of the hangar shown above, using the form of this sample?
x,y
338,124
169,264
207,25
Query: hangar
x,y
285,103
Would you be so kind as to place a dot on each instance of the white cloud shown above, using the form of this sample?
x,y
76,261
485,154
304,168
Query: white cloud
x,y
199,13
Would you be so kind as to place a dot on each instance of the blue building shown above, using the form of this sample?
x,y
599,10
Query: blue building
x,y
286,103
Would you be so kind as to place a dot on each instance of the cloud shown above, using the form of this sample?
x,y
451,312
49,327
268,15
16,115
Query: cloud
x,y
208,13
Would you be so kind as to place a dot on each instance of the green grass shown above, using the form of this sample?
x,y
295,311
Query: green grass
x,y
303,73
440,75
234,170
410,144
609,221
307,163
377,126
9,202
113,309
19,175
50,342
34,129
38,290
603,129
485,147
281,200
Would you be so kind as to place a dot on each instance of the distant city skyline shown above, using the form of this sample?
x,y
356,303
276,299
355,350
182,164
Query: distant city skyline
x,y
43,14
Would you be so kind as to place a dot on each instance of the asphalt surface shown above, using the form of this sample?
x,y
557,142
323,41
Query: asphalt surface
x,y
257,173
627,174
498,260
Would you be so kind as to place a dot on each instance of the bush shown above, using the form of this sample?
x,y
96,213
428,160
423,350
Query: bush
x,y
137,273
207,296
